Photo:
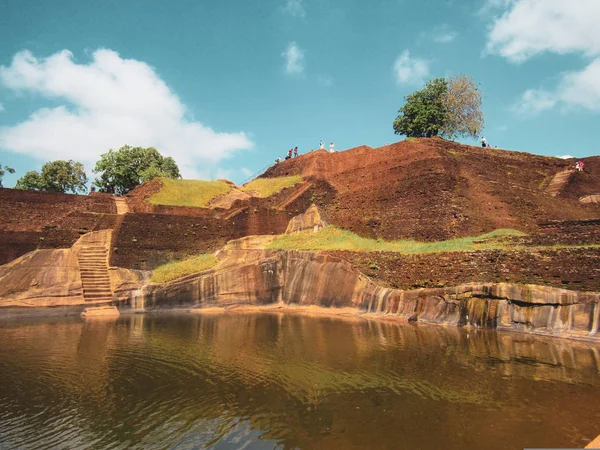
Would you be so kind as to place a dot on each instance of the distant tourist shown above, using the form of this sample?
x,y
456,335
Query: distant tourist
x,y
321,145
278,160
331,147
92,189
295,152
579,166
483,142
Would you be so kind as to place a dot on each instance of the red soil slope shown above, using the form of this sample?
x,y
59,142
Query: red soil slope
x,y
432,189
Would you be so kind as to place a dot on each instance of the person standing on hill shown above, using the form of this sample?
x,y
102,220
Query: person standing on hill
x,y
331,147
321,145
483,142
295,152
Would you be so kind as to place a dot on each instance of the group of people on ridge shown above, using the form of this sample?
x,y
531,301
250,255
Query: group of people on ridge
x,y
294,151
484,143
291,151
331,146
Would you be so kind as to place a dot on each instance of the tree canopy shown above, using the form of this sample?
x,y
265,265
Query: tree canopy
x,y
4,170
56,176
447,107
129,167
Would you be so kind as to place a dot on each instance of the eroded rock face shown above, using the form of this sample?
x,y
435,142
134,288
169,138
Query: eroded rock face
x,y
251,275
311,220
49,278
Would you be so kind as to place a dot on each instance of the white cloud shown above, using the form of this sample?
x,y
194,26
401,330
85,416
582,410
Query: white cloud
x,y
443,34
294,59
565,156
294,8
1,107
529,27
526,28
409,70
108,102
575,89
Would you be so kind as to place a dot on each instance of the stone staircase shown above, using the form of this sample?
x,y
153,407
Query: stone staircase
x,y
558,182
121,204
95,279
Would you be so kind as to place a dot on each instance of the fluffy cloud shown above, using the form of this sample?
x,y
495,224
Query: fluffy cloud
x,y
409,70
575,89
526,28
294,8
107,103
294,59
529,27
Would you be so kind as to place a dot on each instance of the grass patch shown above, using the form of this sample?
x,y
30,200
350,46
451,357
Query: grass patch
x,y
174,270
265,187
333,238
196,193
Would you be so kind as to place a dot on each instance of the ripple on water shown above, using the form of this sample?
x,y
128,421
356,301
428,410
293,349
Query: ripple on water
x,y
261,381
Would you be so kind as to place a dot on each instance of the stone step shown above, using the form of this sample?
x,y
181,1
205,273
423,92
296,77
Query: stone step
x,y
95,280
94,295
93,266
100,300
91,292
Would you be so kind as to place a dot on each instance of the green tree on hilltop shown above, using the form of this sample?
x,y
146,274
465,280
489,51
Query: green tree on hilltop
x,y
56,176
129,167
423,114
4,170
447,107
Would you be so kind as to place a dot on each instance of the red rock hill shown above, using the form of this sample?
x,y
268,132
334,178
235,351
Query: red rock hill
x,y
434,189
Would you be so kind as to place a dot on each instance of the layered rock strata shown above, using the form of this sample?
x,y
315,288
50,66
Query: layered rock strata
x,y
249,274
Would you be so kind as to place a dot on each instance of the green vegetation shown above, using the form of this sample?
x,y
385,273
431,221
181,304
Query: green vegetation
x,y
447,107
175,270
333,238
3,170
265,187
196,193
56,176
129,167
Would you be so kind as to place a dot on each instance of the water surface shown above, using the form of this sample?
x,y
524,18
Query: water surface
x,y
262,381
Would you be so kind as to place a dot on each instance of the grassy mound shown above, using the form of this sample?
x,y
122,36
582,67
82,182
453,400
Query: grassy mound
x,y
332,238
196,193
265,187
174,270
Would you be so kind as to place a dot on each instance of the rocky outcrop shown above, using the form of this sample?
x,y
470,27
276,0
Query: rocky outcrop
x,y
249,274
311,220
51,278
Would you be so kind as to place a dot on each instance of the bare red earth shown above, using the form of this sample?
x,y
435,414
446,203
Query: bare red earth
x,y
427,189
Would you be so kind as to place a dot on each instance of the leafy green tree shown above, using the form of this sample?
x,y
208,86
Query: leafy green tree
x,y
31,181
423,114
447,107
3,171
129,167
56,176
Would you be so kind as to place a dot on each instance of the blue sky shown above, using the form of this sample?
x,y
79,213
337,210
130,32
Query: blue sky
x,y
227,86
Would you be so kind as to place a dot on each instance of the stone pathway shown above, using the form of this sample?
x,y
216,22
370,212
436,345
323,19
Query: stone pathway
x,y
93,266
294,196
558,182
122,207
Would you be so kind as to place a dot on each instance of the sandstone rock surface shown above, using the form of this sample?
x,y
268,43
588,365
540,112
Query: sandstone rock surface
x,y
249,274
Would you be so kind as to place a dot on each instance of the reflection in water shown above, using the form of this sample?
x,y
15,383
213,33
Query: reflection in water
x,y
290,381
